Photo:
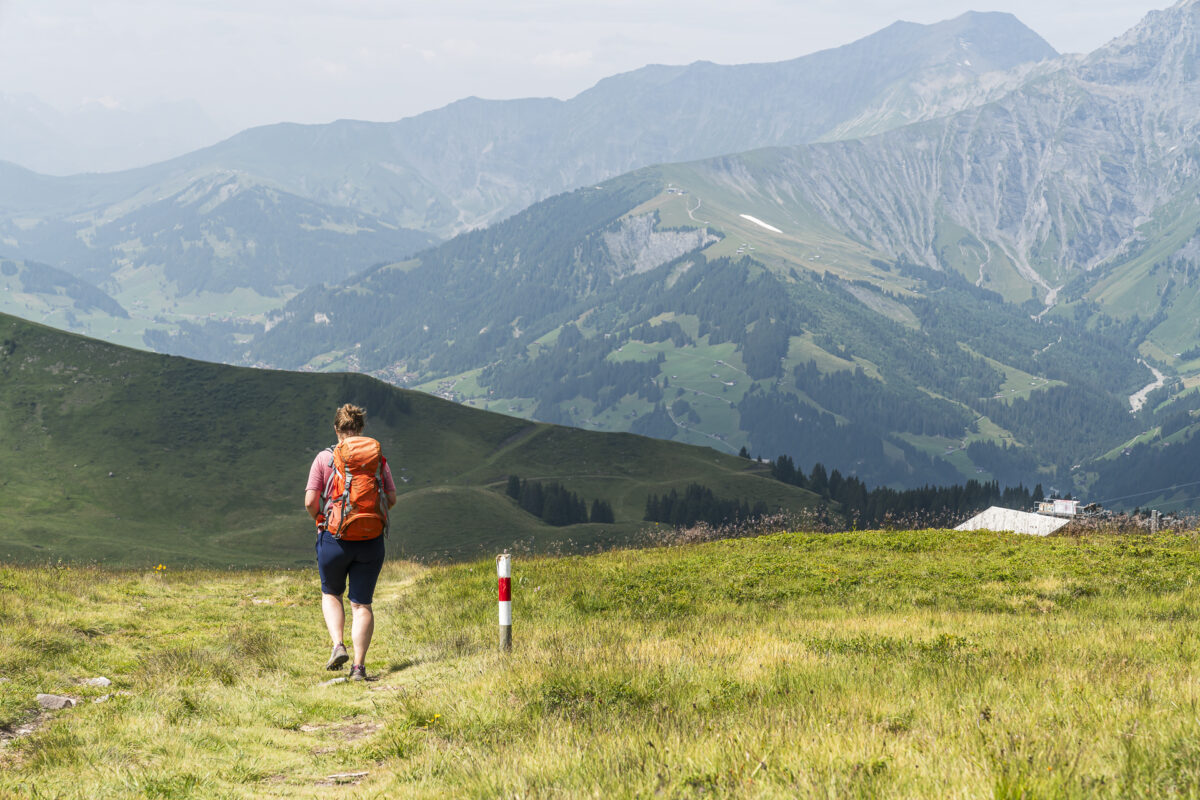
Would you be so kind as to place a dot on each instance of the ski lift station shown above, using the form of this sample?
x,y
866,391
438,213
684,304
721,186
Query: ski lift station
x,y
1059,508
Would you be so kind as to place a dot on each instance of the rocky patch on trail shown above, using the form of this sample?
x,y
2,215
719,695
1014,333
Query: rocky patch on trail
x,y
24,729
48,704
56,702
348,731
343,779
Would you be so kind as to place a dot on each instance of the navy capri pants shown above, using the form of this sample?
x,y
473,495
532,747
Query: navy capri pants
x,y
360,562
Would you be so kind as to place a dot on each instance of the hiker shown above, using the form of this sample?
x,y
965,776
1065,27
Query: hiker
x,y
350,543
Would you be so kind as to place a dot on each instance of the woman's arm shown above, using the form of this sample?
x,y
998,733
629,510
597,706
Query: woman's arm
x,y
312,503
389,485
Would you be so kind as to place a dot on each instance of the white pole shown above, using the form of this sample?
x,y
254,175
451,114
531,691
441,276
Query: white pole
x,y
504,579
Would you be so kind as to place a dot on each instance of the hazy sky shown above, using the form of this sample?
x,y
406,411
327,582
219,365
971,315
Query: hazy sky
x,y
250,62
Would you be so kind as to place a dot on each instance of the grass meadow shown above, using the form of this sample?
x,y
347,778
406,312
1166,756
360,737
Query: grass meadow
x,y
868,664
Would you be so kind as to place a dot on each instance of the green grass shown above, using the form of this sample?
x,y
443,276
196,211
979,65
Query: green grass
x,y
806,241
802,349
126,457
1132,287
964,253
690,369
953,449
1180,331
872,664
151,300
1017,382
1137,285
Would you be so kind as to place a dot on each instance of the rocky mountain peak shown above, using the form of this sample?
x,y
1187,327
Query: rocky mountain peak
x,y
1161,51
991,40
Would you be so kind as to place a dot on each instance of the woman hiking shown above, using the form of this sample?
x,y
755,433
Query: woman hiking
x,y
349,493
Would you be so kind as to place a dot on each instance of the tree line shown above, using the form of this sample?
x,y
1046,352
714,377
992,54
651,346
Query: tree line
x,y
556,505
872,507
699,504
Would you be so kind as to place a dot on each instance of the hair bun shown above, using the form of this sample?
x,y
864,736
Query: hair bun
x,y
350,419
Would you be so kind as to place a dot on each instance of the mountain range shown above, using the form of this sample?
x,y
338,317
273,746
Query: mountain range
x,y
1011,268
952,253
476,161
100,135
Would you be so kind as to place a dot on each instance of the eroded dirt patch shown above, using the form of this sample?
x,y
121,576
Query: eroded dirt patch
x,y
346,731
12,733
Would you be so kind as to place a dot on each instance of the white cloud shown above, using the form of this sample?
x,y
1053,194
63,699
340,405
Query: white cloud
x,y
333,69
461,48
564,58
107,101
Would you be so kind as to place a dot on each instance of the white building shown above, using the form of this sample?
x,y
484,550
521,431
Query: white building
x,y
1059,508
1006,519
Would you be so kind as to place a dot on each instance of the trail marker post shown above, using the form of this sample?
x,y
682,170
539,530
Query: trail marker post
x,y
504,579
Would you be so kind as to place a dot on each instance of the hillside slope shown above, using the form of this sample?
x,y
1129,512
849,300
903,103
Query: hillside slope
x,y
653,303
129,457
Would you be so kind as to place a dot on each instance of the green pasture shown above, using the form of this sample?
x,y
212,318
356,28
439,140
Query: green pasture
x,y
869,664
1017,382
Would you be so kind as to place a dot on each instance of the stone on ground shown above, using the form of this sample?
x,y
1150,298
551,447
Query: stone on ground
x,y
55,702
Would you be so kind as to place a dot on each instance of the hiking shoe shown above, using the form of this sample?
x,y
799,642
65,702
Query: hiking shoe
x,y
358,672
338,658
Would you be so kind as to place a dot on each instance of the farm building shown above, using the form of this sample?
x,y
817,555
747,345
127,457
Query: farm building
x,y
1005,519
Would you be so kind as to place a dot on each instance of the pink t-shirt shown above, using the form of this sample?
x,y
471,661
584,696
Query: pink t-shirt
x,y
319,472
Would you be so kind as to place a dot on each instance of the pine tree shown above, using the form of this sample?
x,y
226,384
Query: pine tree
x,y
557,509
602,512
819,480
533,498
652,509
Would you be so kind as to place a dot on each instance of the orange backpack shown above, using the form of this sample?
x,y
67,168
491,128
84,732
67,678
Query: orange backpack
x,y
356,506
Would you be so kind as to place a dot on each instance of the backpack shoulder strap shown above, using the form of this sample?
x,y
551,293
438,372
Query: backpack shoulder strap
x,y
325,499
326,495
329,480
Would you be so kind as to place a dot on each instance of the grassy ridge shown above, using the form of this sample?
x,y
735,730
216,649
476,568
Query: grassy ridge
x,y
135,458
914,664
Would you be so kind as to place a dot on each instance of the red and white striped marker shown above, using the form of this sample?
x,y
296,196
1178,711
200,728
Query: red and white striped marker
x,y
504,577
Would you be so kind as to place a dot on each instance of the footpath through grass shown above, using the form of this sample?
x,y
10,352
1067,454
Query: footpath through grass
x,y
905,664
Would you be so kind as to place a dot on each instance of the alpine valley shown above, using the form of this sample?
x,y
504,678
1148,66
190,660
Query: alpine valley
x,y
229,233
942,252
